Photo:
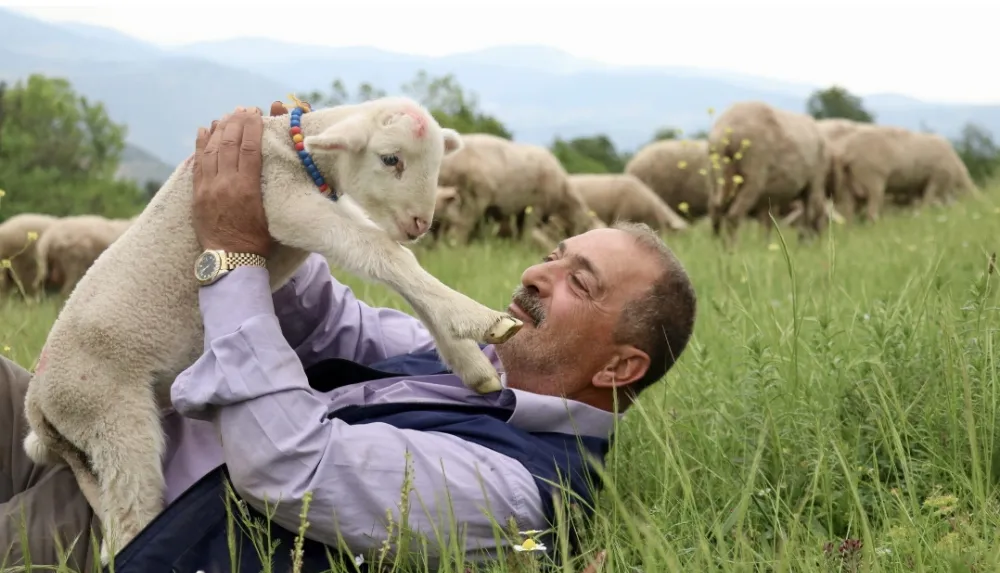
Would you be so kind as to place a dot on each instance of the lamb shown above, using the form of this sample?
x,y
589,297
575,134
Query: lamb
x,y
763,156
616,196
878,161
678,171
19,238
133,323
70,246
509,178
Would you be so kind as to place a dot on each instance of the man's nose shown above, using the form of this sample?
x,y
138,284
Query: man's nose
x,y
537,278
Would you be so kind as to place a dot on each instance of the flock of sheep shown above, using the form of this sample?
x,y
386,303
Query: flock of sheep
x,y
47,252
757,161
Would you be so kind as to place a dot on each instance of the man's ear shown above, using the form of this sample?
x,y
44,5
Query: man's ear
x,y
351,135
628,365
452,140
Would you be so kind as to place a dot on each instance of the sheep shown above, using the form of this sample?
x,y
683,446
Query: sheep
x,y
678,171
879,161
510,177
133,323
19,236
616,196
70,246
764,157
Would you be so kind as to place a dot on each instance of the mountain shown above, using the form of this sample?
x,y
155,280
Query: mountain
x,y
142,166
164,94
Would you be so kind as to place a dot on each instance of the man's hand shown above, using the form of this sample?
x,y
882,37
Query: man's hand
x,y
228,209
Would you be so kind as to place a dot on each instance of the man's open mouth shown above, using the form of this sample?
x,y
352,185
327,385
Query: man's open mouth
x,y
519,313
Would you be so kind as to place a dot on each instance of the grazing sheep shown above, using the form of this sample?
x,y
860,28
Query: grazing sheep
x,y
763,156
615,196
19,238
133,323
678,171
70,246
834,131
509,177
879,162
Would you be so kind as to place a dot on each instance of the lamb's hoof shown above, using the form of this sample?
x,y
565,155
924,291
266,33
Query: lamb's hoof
x,y
505,328
487,385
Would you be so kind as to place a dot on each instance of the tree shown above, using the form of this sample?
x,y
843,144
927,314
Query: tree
x,y
59,152
447,101
978,151
837,102
594,154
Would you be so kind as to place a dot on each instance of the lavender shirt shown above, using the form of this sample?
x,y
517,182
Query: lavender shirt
x,y
249,388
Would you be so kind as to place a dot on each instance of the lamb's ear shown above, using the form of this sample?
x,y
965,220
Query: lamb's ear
x,y
452,140
351,135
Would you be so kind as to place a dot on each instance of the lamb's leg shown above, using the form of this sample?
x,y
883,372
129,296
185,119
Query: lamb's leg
x,y
447,313
115,422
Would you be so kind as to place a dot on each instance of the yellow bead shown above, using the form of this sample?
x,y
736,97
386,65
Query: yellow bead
x,y
297,137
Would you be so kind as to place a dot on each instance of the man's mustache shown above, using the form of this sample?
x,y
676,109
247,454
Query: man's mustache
x,y
530,304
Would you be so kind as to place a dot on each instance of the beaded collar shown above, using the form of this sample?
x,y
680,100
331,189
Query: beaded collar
x,y
295,129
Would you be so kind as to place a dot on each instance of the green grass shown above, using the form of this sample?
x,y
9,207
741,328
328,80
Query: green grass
x,y
840,390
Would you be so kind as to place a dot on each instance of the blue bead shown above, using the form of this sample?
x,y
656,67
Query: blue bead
x,y
297,111
307,160
303,154
320,181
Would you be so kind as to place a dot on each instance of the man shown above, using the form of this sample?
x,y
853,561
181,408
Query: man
x,y
310,390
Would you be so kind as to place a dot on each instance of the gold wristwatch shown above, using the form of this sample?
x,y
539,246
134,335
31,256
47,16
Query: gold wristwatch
x,y
211,265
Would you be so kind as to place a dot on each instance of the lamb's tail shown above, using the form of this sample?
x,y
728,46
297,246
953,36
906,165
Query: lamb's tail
x,y
45,446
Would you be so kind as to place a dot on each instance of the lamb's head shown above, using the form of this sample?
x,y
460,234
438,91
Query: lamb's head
x,y
385,154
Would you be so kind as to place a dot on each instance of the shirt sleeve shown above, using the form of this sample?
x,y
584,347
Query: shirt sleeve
x,y
279,444
321,318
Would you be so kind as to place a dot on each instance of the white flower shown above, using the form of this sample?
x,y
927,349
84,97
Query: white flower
x,y
359,559
530,545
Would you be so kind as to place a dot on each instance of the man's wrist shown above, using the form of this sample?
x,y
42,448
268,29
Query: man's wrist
x,y
243,293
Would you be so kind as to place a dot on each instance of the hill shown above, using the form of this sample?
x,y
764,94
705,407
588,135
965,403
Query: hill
x,y
538,92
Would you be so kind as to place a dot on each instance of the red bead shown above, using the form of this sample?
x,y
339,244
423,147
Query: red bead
x,y
324,188
300,146
296,129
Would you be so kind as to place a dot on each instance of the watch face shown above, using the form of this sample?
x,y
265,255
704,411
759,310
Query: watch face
x,y
206,267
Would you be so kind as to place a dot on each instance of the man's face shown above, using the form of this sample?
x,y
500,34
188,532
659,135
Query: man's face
x,y
570,304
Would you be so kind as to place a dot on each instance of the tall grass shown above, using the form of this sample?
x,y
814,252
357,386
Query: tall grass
x,y
836,409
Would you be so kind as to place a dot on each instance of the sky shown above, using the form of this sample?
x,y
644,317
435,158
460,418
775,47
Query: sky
x,y
940,51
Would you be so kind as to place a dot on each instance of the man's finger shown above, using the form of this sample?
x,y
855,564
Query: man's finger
x,y
199,148
229,142
250,147
278,108
210,156
596,565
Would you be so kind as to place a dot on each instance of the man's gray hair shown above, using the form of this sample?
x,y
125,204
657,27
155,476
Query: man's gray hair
x,y
661,320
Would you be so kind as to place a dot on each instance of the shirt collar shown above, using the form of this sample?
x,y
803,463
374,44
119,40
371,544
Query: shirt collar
x,y
543,413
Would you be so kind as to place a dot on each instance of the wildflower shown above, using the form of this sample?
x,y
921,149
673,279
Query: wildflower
x,y
6,349
729,129
738,155
682,164
703,171
4,263
530,544
725,141
359,559
745,143
737,179
683,207
32,235
2,192
721,181
528,209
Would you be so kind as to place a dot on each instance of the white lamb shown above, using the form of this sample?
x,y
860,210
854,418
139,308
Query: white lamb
x,y
133,322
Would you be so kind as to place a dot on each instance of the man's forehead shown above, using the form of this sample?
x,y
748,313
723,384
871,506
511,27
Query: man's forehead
x,y
614,254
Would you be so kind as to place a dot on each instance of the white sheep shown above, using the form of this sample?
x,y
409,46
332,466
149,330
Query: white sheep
x,y
133,323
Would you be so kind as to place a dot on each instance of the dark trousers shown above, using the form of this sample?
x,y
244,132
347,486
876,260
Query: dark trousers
x,y
195,533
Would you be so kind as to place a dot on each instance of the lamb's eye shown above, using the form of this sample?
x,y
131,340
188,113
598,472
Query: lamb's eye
x,y
390,160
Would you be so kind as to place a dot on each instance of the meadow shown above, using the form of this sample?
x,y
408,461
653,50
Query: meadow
x,y
836,409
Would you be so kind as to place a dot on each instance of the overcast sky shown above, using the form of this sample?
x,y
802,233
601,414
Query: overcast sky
x,y
931,50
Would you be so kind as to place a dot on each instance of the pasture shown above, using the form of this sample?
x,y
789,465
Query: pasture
x,y
836,409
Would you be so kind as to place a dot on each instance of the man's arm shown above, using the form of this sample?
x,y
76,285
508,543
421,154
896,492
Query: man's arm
x,y
279,444
321,318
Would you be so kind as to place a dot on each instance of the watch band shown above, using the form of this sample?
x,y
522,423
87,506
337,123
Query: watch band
x,y
234,260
